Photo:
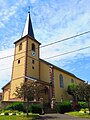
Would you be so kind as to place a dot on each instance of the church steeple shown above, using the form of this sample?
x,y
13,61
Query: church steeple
x,y
28,29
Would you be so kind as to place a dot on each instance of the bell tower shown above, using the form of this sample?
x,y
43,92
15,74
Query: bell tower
x,y
26,58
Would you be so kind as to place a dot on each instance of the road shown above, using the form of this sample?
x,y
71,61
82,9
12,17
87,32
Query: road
x,y
60,117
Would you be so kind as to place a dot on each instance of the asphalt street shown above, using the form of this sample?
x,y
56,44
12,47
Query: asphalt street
x,y
59,117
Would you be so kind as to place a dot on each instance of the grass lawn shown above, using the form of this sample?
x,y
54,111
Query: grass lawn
x,y
14,117
83,115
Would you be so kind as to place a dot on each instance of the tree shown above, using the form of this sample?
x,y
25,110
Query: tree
x,y
84,92
72,90
80,92
28,91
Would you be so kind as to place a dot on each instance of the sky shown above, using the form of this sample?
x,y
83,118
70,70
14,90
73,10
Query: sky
x,y
52,20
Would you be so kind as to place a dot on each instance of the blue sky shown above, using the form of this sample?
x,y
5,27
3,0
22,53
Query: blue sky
x,y
52,20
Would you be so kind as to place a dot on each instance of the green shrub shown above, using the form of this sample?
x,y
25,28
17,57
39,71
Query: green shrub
x,y
85,110
13,113
16,106
82,109
36,109
83,104
7,112
63,107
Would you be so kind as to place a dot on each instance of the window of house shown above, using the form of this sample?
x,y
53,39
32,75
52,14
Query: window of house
x,y
33,47
61,81
20,46
18,61
33,61
72,81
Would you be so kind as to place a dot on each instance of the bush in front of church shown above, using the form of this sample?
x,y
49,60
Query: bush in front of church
x,y
20,106
36,109
83,104
63,107
16,106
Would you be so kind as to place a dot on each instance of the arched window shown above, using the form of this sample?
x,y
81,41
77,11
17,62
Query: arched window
x,y
20,46
61,81
33,47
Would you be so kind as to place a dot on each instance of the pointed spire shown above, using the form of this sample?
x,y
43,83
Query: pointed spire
x,y
28,30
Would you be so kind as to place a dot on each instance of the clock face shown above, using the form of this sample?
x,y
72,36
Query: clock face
x,y
33,53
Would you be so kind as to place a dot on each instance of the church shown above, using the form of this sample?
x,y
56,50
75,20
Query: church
x,y
28,66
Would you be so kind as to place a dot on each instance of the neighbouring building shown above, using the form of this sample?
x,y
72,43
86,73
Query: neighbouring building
x,y
1,96
28,65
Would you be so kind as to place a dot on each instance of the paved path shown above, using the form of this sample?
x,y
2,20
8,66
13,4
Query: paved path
x,y
60,117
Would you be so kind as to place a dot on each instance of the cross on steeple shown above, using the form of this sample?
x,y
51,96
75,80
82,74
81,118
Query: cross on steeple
x,y
28,9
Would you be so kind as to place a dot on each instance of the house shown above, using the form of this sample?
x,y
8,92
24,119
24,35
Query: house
x,y
1,96
28,66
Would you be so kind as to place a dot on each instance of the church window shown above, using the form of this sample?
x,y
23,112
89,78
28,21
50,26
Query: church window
x,y
32,67
18,61
61,81
33,61
72,81
33,47
20,46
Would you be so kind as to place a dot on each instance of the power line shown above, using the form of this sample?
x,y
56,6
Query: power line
x,y
68,38
55,56
6,57
5,68
68,52
65,39
11,67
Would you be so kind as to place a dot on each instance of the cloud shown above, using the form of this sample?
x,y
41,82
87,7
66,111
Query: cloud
x,y
10,24
5,66
33,1
62,23
8,11
54,19
67,46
